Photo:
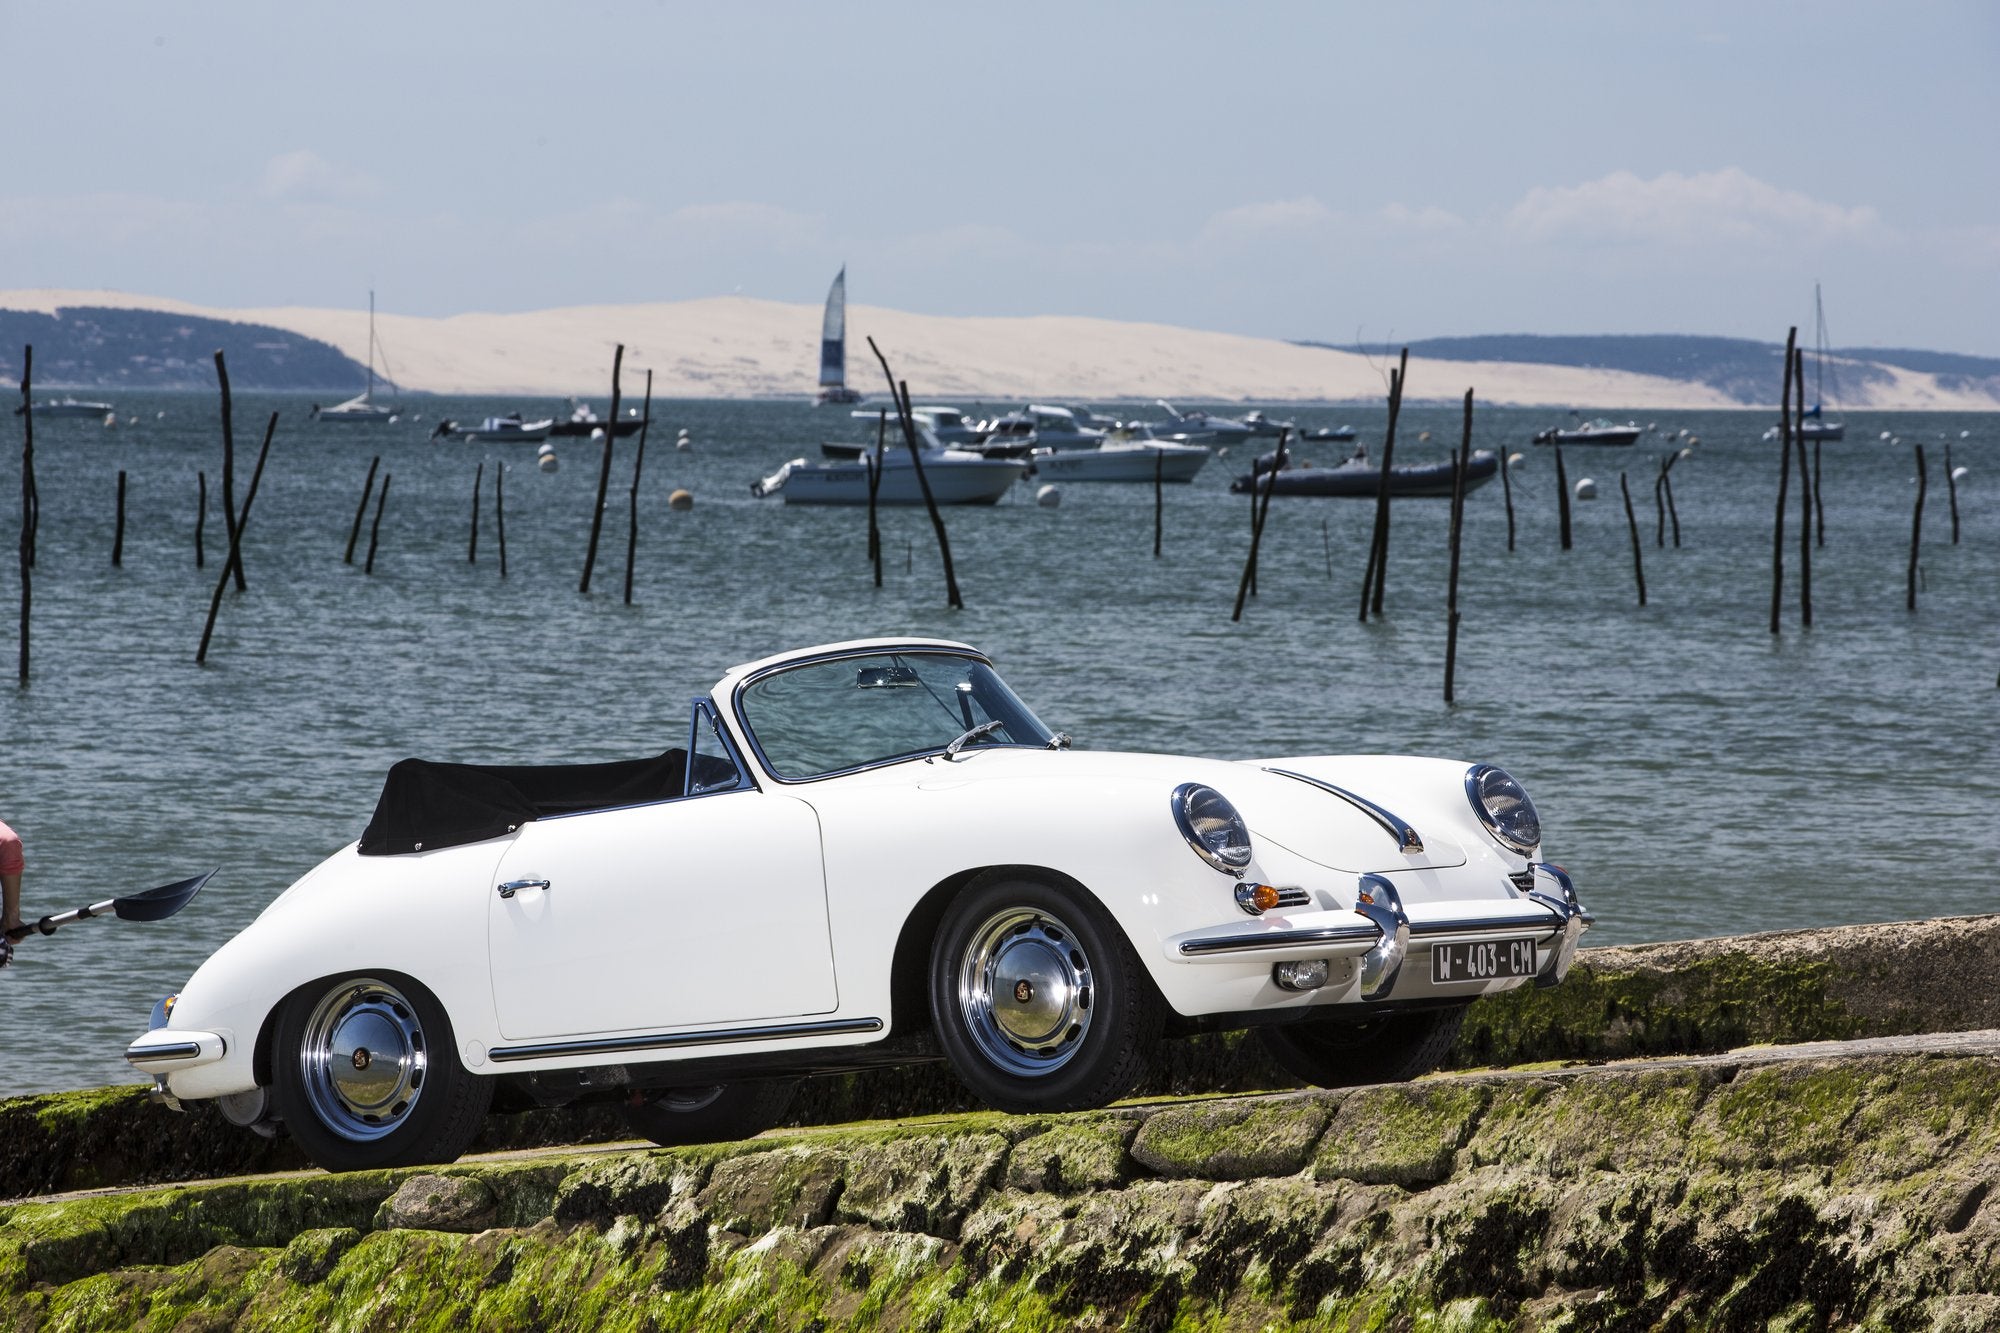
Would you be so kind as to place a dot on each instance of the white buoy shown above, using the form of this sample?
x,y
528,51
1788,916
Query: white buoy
x,y
547,463
597,432
681,500
1686,453
1048,497
159,416
682,441
545,450
1958,474
1963,435
1423,436
1586,489
1517,461
1885,434
1693,440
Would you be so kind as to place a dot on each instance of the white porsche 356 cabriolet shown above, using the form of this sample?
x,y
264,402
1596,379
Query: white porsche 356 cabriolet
x,y
867,853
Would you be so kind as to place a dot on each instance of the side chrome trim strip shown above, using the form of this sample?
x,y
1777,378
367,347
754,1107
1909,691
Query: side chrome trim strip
x,y
1407,839
668,1041
1361,932
179,1050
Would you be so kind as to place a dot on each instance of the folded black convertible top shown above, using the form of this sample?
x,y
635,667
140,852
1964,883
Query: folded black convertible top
x,y
426,805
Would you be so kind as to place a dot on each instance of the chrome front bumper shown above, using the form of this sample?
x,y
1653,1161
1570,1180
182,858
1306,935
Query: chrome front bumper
x,y
1381,934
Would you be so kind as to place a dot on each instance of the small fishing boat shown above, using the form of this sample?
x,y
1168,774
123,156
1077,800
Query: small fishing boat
x,y
833,346
1125,457
1360,478
1599,431
1335,434
583,419
955,477
53,408
510,429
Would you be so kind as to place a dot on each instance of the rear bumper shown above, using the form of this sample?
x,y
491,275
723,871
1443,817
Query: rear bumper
x,y
1381,950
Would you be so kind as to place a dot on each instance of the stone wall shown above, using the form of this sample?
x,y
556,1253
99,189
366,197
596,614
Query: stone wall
x,y
1720,1194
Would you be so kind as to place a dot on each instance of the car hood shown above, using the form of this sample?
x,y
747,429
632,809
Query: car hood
x,y
1304,819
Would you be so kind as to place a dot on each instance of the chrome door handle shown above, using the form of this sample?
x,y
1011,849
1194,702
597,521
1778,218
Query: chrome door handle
x,y
514,886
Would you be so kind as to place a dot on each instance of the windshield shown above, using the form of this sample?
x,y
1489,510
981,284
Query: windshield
x,y
830,717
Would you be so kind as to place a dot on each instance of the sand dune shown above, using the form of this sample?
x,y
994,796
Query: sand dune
x,y
737,347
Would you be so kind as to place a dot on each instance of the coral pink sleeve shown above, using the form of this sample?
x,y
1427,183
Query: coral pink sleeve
x,y
10,851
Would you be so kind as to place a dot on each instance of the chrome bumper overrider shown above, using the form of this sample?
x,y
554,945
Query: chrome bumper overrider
x,y
164,1051
1384,933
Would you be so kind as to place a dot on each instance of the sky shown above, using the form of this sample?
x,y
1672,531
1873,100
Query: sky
x,y
1326,171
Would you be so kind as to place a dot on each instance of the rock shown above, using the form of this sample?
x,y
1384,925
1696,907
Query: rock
x,y
438,1203
311,1255
1233,1140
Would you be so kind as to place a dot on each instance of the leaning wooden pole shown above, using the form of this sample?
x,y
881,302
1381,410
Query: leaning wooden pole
x,y
1382,497
1264,508
1507,489
1632,522
472,538
1458,468
27,500
361,510
909,425
1784,478
603,472
874,487
1562,499
229,511
1247,585
1951,484
638,466
1805,497
232,561
1917,527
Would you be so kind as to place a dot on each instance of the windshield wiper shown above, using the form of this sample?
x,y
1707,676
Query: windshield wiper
x,y
967,737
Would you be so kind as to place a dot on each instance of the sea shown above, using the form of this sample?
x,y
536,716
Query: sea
x,y
1697,773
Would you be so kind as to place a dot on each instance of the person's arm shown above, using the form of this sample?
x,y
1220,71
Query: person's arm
x,y
10,902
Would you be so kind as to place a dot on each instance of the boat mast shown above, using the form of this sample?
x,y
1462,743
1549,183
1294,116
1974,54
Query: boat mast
x,y
369,397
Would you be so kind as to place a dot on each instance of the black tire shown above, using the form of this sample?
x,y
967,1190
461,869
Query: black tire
x,y
1332,1053
1037,998
717,1113
365,1074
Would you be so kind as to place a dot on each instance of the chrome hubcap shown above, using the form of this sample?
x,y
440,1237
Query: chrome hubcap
x,y
363,1059
1025,991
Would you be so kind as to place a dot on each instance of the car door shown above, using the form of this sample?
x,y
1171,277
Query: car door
x,y
708,910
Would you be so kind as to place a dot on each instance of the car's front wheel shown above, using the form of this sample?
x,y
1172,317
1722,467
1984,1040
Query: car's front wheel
x,y
1333,1053
717,1113
366,1074
1038,1000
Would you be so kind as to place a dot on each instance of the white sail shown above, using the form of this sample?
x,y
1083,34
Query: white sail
x,y
833,334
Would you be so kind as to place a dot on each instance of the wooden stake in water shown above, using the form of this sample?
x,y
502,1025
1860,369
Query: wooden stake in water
x,y
229,512
1819,500
638,466
1805,496
375,528
603,472
901,394
233,560
1248,583
361,510
118,534
1458,467
472,539
1160,501
1632,522
200,517
27,499
500,514
874,486
1917,526
1507,489
1396,387
1562,498
1784,480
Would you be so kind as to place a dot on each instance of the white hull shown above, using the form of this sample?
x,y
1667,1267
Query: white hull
x,y
955,478
1122,462
69,407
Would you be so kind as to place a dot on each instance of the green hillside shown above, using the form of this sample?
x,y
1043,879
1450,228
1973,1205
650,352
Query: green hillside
x,y
88,347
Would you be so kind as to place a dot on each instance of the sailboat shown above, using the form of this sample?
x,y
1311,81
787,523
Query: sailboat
x,y
1813,425
833,346
362,410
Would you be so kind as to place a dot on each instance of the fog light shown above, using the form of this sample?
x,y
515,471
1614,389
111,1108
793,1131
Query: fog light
x,y
1256,899
1307,975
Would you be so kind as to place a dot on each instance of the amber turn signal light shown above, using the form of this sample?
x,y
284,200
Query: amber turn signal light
x,y
1256,899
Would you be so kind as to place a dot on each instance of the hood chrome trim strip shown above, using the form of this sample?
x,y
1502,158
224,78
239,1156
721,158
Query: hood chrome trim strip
x,y
1407,839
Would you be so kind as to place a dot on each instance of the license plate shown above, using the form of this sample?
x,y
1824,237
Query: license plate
x,y
1483,962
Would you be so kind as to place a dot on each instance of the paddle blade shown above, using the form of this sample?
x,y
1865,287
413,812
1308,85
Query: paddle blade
x,y
161,903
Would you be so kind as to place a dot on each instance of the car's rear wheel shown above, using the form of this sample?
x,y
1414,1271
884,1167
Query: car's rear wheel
x,y
716,1113
366,1074
1038,1000
1334,1053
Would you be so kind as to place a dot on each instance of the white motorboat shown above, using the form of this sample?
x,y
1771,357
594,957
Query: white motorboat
x,y
362,410
955,477
1599,431
1039,426
1200,427
1124,457
948,424
53,408
510,429
833,346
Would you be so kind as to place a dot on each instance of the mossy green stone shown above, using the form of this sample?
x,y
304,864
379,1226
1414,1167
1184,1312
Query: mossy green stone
x,y
1234,1140
1087,1154
1405,1136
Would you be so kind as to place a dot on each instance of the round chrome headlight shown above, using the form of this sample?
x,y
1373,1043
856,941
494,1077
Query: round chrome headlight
x,y
1212,827
1503,806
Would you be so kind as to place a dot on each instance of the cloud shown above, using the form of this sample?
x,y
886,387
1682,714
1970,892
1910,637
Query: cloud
x,y
1424,218
1277,216
304,175
740,223
1727,206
